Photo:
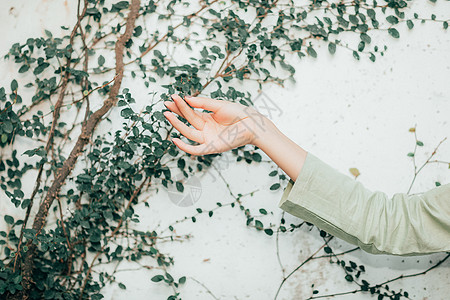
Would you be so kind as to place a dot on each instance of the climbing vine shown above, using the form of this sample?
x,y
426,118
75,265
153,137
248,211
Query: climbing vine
x,y
88,179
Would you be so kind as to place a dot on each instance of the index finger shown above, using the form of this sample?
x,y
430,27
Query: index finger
x,y
205,103
188,113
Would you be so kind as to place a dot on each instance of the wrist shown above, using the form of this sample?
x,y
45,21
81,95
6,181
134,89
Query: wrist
x,y
264,132
289,156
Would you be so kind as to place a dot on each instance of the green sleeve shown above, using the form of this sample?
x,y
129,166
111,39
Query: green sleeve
x,y
338,204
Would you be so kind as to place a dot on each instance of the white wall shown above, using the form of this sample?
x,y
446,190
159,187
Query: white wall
x,y
348,113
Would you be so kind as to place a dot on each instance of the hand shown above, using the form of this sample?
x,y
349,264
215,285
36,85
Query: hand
x,y
228,126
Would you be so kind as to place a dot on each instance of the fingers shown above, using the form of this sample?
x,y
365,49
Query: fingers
x,y
173,107
188,113
205,103
194,150
185,130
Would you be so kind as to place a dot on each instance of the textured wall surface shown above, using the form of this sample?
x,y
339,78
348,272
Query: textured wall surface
x,y
348,113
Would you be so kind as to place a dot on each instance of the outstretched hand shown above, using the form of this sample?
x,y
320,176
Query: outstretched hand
x,y
228,126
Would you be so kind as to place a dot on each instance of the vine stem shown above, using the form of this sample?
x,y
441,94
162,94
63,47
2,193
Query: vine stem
x,y
283,270
385,282
417,171
205,287
89,271
69,164
295,270
56,113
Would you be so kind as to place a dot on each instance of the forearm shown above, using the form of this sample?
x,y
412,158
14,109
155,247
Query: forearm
x,y
343,207
289,156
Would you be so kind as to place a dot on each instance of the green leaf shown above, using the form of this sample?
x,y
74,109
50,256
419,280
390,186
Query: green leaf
x,y
84,178
268,231
24,68
259,225
361,46
256,157
353,19
137,31
108,215
48,33
95,235
169,277
159,116
119,6
181,163
410,154
419,143
92,11
311,51
328,21
25,203
296,45
275,186
8,126
17,279
124,164
273,173
182,280
9,219
126,112
356,55
410,24
392,19
365,38
39,69
263,211
332,48
122,286
445,25
157,278
14,85
101,60
394,33
179,186
204,52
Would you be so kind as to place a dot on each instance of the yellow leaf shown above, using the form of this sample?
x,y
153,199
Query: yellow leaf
x,y
412,129
355,172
